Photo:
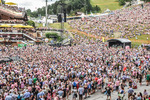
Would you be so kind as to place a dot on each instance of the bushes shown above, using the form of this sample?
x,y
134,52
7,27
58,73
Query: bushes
x,y
122,2
31,23
53,35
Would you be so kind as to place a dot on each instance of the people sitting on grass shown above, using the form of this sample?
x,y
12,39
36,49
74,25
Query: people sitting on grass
x,y
129,23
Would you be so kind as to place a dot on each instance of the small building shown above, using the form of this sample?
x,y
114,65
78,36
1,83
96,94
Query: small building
x,y
119,43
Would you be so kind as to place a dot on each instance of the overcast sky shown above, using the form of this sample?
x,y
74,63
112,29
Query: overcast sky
x,y
31,4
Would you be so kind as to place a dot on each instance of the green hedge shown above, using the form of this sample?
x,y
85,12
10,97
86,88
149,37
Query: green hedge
x,y
31,23
53,35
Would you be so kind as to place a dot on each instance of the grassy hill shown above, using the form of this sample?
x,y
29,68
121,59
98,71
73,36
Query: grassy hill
x,y
106,4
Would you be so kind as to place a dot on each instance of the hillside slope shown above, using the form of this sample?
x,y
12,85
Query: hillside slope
x,y
106,4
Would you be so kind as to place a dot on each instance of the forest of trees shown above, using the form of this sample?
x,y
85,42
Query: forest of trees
x,y
72,6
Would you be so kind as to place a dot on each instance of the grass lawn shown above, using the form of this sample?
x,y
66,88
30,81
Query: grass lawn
x,y
135,44
58,26
106,4
38,25
55,25
142,37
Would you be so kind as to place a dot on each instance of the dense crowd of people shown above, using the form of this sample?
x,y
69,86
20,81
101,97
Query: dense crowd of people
x,y
13,8
51,73
17,30
12,21
84,69
9,33
130,22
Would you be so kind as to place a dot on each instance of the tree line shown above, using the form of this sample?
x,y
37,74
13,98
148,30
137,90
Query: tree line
x,y
71,7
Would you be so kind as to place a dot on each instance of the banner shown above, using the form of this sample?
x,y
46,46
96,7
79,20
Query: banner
x,y
22,45
0,1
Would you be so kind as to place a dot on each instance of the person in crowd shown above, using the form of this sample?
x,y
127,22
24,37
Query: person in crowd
x,y
80,92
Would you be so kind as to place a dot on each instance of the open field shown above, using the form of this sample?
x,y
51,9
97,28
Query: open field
x,y
55,25
106,4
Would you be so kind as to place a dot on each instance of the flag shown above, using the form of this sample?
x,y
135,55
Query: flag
x,y
103,39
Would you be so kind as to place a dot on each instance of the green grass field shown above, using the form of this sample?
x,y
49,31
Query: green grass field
x,y
141,40
142,37
106,4
55,25
58,26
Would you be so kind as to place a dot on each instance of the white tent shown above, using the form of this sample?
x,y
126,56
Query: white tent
x,y
108,10
82,15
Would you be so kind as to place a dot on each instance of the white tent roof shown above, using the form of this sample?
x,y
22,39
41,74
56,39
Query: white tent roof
x,y
108,10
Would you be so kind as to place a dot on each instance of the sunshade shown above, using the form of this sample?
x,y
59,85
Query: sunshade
x,y
5,25
28,26
10,3
18,26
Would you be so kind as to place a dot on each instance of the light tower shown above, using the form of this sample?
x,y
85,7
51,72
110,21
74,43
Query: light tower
x,y
46,13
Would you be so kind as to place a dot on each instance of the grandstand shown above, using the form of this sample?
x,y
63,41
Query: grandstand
x,y
13,27
8,12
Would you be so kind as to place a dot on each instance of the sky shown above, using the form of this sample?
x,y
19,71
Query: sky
x,y
31,4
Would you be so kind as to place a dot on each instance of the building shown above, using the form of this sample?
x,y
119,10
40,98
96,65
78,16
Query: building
x,y
13,27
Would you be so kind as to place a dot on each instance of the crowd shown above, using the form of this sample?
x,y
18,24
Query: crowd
x,y
48,29
8,33
130,22
79,71
13,8
17,30
12,22
84,69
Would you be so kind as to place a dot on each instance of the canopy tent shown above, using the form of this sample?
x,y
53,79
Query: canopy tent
x,y
18,26
10,3
28,26
108,10
5,25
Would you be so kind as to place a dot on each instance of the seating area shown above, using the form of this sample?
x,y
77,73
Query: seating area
x,y
17,30
12,21
14,8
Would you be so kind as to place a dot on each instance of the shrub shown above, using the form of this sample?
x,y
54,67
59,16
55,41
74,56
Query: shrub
x,y
31,23
53,35
121,2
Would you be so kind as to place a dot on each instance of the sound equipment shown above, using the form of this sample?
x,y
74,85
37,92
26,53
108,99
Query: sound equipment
x,y
59,18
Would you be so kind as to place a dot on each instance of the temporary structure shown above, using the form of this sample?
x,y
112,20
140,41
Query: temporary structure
x,y
18,26
5,25
28,26
10,3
